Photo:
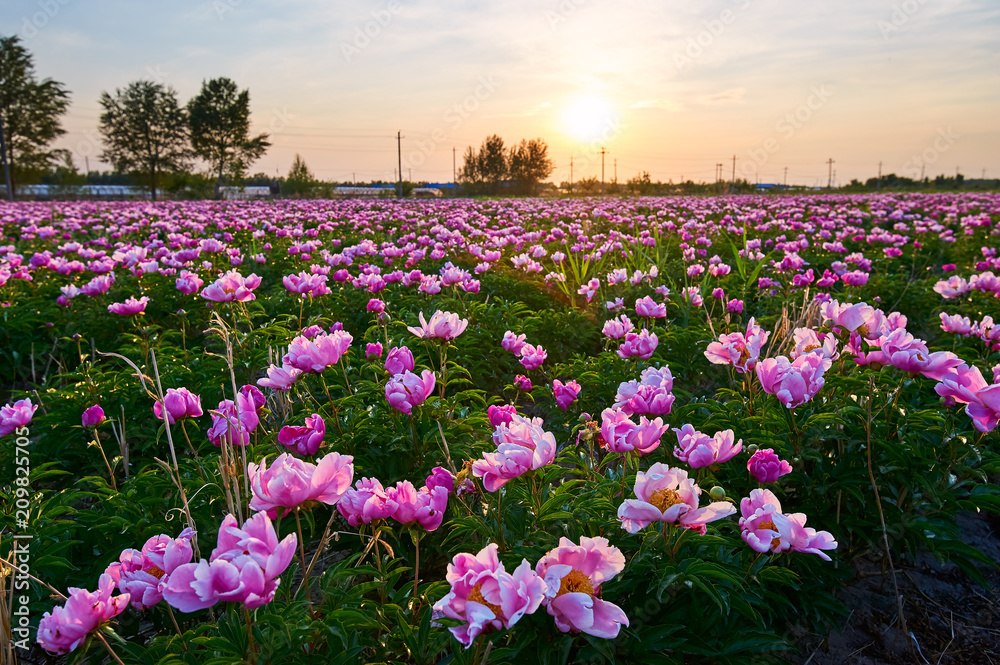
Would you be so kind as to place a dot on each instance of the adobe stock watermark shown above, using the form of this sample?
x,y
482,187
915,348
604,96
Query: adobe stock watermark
x,y
370,30
223,7
456,114
563,11
20,556
714,28
915,166
786,127
901,14
47,10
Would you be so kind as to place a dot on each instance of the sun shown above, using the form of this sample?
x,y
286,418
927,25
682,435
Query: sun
x,y
589,118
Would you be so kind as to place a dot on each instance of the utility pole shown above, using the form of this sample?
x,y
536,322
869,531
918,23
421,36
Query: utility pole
x,y
829,179
922,167
86,161
399,156
602,169
786,176
6,165
878,185
354,178
454,171
732,187
410,176
616,170
571,174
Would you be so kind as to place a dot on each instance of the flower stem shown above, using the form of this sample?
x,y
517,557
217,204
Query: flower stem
x,y
302,557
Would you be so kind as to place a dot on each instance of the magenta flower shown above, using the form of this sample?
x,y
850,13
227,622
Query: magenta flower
x,y
254,396
305,283
399,360
290,482
521,382
985,408
522,446
68,626
651,395
618,327
315,355
664,494
793,383
143,574
93,417
98,285
14,417
243,568
622,435
641,345
233,422
808,340
512,342
304,440
189,283
700,450
961,384
573,575
443,325
279,378
373,351
232,287
532,357
440,477
484,595
565,393
650,308
766,466
425,506
407,390
130,307
375,305
181,403
765,529
956,323
502,414
366,503
738,349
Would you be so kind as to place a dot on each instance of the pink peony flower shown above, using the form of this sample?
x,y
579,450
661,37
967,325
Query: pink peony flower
x,y
985,408
650,395
618,327
399,360
16,416
244,568
143,574
738,349
641,345
532,357
366,503
650,308
181,403
700,450
522,446
233,422
407,390
956,323
573,575
279,378
315,355
68,626
565,393
373,351
512,342
98,285
766,467
766,529
484,595
664,494
622,435
502,414
232,287
440,477
93,417
290,482
130,307
808,340
188,283
443,325
425,506
793,383
305,440
521,382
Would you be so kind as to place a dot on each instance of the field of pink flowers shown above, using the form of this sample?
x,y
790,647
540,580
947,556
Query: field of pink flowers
x,y
653,430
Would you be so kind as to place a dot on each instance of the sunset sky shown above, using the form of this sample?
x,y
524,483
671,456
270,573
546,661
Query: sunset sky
x,y
668,87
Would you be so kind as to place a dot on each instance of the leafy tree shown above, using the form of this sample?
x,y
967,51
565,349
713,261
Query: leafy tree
x,y
219,122
300,179
145,130
493,162
471,173
641,184
529,164
29,114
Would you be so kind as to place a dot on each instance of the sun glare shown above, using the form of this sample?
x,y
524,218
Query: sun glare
x,y
589,118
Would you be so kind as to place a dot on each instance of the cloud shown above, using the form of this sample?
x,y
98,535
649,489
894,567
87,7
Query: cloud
x,y
724,98
661,104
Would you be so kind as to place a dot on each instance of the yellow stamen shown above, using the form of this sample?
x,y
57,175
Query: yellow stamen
x,y
576,582
476,595
665,498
